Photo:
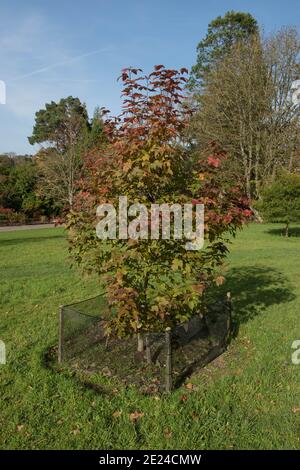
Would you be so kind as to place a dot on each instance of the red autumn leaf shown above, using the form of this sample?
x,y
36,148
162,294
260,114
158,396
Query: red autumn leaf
x,y
247,212
228,218
213,161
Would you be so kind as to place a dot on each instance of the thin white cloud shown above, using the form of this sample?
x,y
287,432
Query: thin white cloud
x,y
39,64
60,64
20,36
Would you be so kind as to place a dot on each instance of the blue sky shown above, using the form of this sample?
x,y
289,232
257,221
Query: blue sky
x,y
52,49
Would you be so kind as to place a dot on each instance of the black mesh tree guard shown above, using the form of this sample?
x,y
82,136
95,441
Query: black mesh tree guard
x,y
169,356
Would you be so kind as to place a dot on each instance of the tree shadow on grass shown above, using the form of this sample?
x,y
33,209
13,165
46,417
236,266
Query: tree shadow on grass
x,y
253,290
49,361
293,232
16,241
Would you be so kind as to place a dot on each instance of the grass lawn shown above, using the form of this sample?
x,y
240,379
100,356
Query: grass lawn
x,y
249,398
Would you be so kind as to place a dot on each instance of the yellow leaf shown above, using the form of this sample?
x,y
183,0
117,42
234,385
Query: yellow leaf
x,y
189,386
75,431
219,280
135,416
127,166
168,434
177,264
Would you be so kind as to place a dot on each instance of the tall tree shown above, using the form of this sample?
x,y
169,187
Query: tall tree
x,y
246,107
223,32
60,124
282,56
65,133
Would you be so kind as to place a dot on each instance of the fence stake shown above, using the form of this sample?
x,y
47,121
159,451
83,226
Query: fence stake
x,y
169,361
60,334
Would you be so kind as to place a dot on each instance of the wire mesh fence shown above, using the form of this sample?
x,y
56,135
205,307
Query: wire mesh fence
x,y
167,357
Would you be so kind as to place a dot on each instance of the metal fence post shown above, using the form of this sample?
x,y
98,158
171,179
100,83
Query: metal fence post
x,y
60,334
168,361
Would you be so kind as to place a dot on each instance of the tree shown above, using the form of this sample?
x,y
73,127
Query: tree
x,y
246,107
280,200
97,135
223,33
153,283
282,56
19,187
66,133
19,182
60,124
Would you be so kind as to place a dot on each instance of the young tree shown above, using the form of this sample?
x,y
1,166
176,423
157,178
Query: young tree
x,y
153,283
281,200
223,33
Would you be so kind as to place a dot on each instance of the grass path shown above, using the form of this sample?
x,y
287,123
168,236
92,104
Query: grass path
x,y
250,398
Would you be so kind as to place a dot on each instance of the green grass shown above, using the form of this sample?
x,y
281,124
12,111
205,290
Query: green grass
x,y
249,398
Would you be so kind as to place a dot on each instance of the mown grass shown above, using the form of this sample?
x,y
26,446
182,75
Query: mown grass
x,y
249,398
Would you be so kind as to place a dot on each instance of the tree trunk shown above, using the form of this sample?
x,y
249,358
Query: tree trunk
x,y
148,350
287,229
140,346
257,215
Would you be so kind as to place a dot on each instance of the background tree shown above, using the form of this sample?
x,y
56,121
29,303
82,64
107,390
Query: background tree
x,y
60,124
153,283
66,133
223,33
280,200
282,56
19,181
246,106
96,136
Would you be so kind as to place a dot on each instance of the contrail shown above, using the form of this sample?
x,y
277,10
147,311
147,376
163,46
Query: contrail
x,y
59,64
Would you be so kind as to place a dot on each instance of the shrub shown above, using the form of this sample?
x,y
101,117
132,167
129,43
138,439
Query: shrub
x,y
280,200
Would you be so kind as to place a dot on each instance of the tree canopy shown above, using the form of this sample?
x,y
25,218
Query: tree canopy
x,y
223,32
60,124
245,105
